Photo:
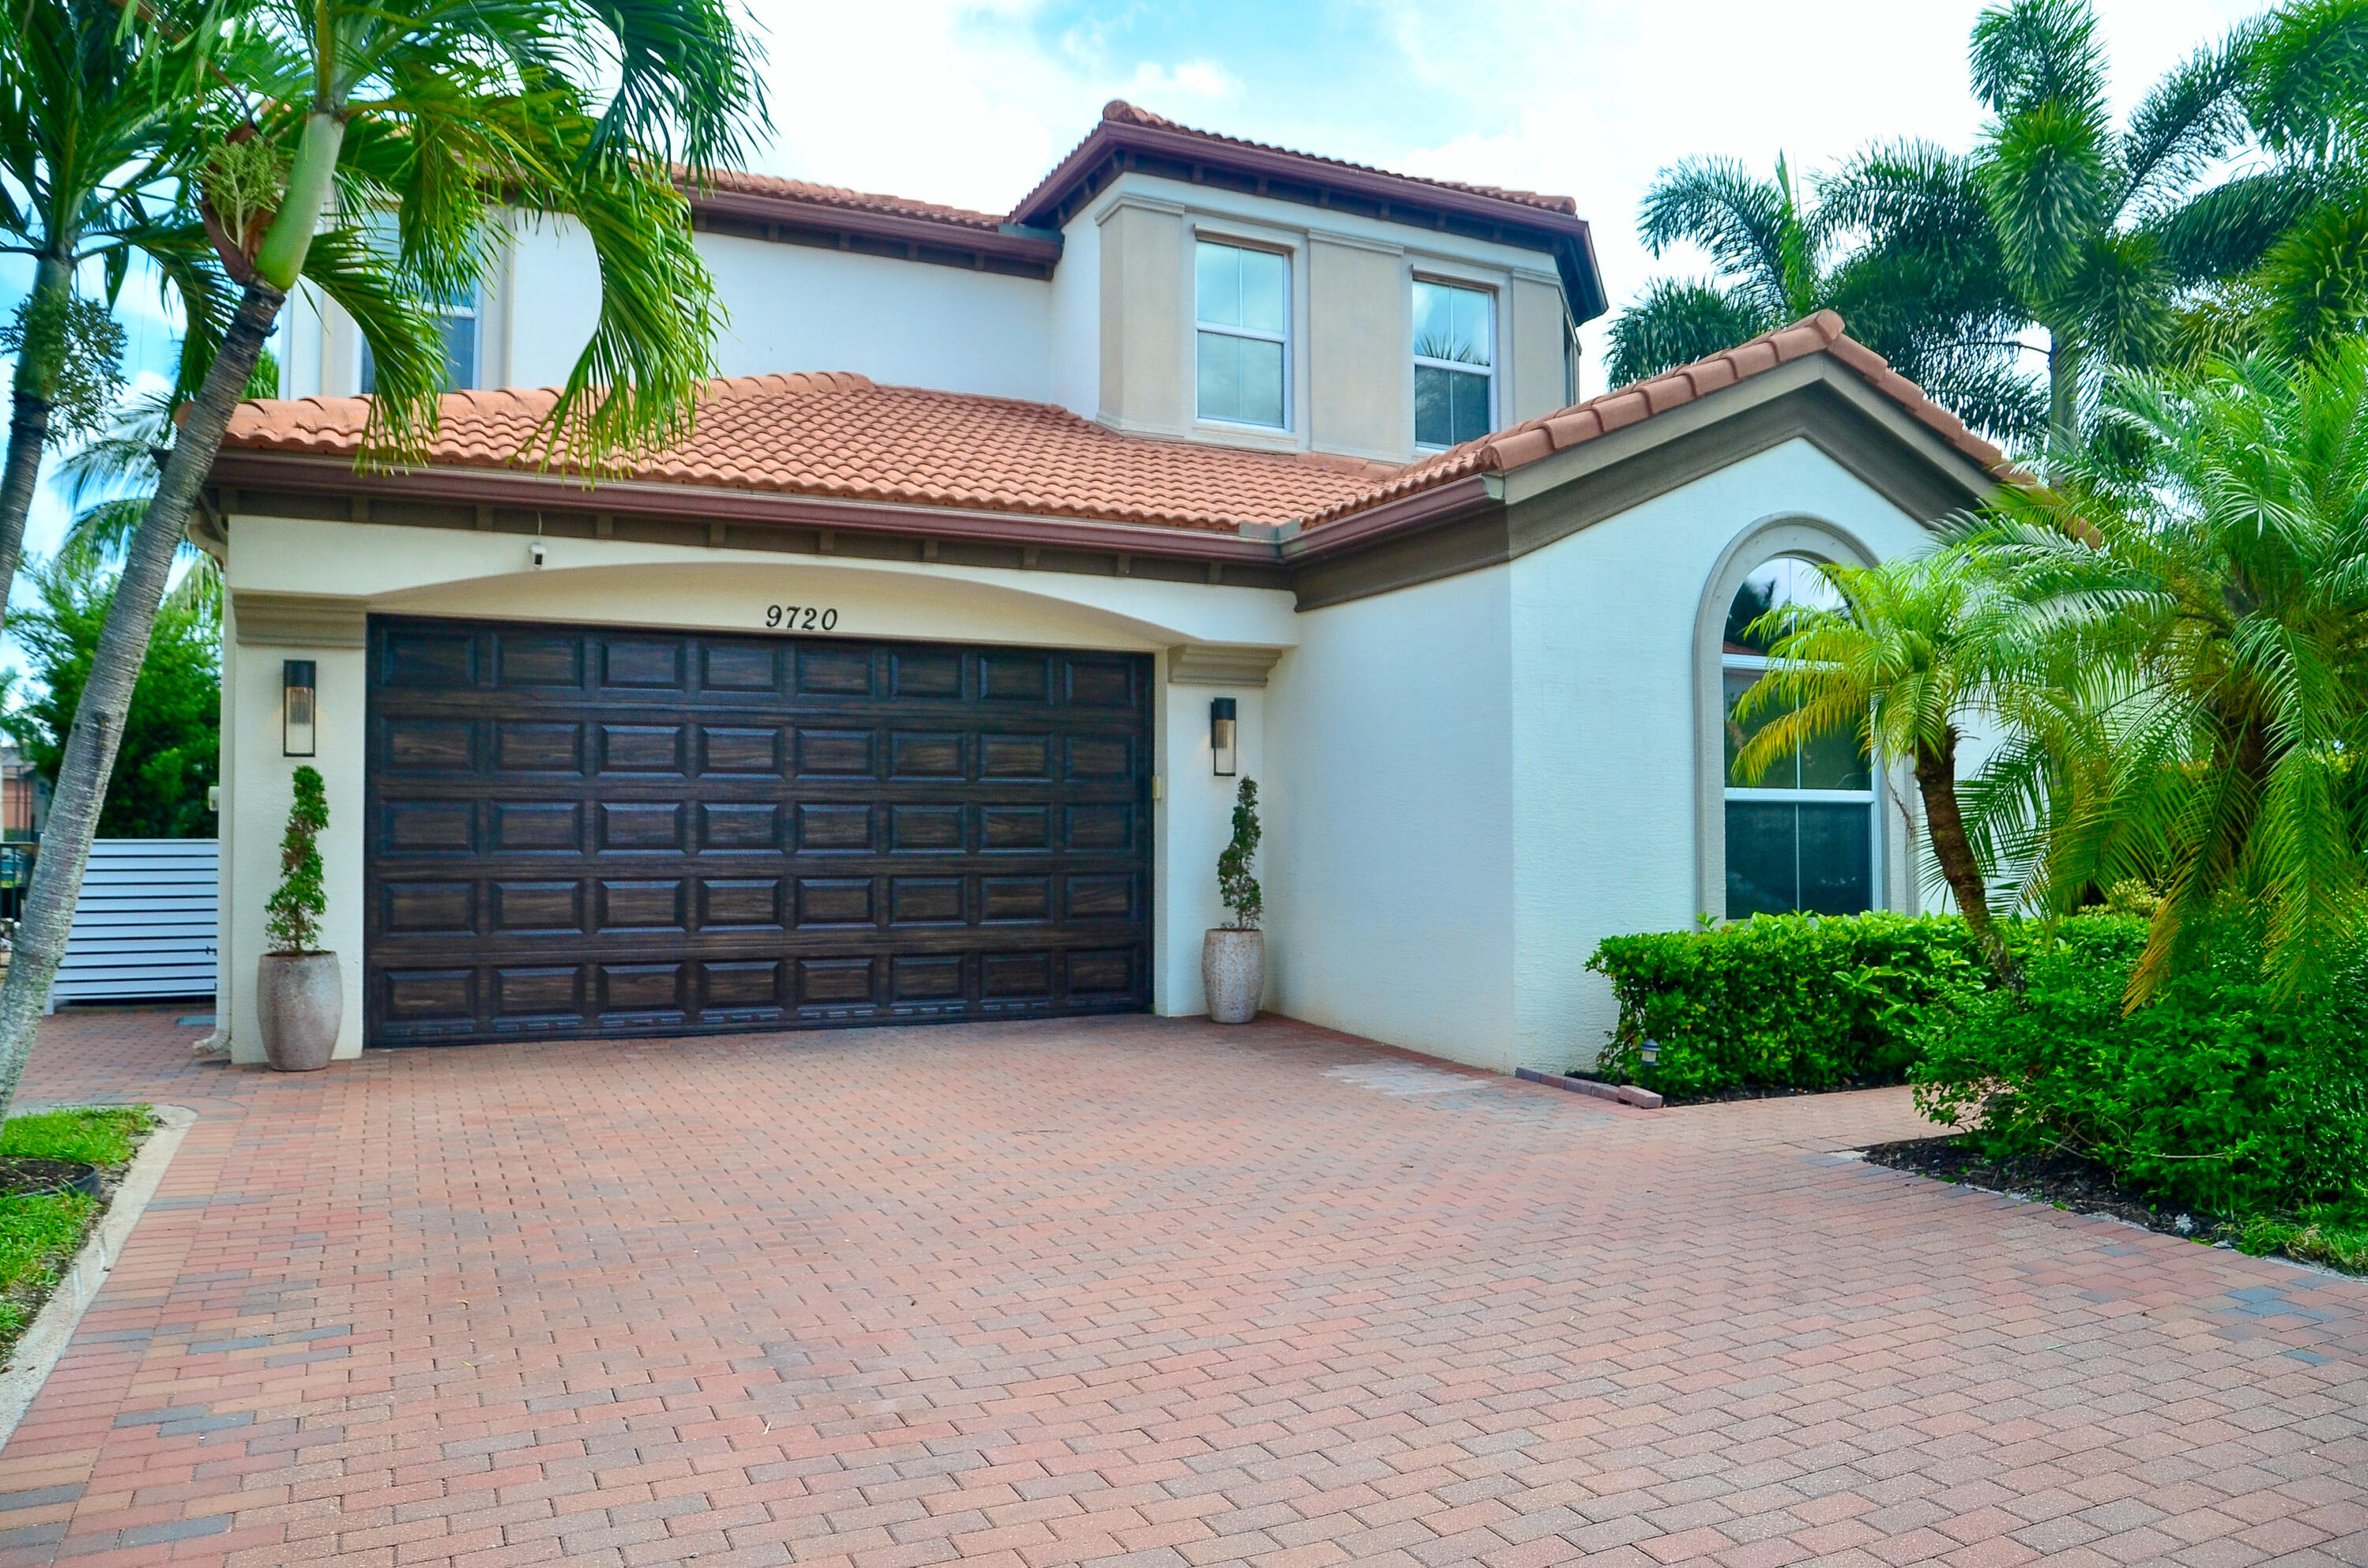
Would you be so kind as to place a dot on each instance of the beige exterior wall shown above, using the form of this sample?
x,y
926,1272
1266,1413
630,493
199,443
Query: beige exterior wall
x,y
1538,380
1144,318
349,570
1360,370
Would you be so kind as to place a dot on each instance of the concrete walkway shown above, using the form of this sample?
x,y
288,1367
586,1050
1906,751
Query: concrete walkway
x,y
1138,1292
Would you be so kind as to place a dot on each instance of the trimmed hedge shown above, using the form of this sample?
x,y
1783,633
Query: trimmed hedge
x,y
1782,1001
2212,1096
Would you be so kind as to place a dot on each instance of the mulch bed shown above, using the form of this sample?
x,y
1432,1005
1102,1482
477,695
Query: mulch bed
x,y
2084,1187
1724,1096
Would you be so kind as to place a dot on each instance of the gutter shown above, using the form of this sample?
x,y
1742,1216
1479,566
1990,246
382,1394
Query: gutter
x,y
1406,514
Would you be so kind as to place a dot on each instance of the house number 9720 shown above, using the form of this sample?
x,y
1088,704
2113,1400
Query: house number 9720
x,y
801,617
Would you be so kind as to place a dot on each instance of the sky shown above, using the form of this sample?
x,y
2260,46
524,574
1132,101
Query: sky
x,y
973,101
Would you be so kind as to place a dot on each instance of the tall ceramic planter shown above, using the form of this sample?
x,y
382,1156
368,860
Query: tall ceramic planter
x,y
299,1003
1233,973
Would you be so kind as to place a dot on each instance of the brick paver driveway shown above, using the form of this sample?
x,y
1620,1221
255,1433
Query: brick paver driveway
x,y
1140,1292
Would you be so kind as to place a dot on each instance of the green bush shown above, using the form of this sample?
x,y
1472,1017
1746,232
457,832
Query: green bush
x,y
1782,1001
2210,1097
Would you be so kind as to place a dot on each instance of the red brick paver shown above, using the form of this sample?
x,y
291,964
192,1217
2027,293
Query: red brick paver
x,y
1137,1293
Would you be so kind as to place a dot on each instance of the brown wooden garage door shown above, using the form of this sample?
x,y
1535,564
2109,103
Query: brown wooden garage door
x,y
585,831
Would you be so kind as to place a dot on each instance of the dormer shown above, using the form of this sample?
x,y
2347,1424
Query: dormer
x,y
1252,296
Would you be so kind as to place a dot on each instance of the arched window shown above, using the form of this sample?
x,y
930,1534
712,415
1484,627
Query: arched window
x,y
1803,835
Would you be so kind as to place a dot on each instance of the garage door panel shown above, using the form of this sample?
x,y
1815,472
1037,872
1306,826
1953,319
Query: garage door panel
x,y
593,832
642,664
538,659
825,670
537,746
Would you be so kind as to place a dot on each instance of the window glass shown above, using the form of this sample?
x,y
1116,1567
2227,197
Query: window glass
x,y
1781,857
1454,351
1243,308
1787,580
1241,380
1453,323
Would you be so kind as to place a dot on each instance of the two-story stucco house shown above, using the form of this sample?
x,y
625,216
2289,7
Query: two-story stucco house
x,y
889,695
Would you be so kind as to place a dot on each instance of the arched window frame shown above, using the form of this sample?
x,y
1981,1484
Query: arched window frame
x,y
1815,539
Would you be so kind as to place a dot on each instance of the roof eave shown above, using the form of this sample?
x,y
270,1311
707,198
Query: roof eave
x,y
249,468
1035,251
1566,235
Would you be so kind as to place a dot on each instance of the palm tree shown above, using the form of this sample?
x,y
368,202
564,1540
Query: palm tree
x,y
1945,320
2096,244
93,146
435,111
2307,99
2219,597
110,478
1767,246
1914,651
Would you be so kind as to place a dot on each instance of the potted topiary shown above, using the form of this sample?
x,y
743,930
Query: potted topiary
x,y
299,996
1232,958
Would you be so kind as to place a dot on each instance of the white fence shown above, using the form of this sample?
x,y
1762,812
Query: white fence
x,y
146,924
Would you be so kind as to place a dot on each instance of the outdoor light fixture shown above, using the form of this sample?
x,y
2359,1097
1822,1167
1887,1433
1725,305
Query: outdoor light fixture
x,y
296,707
1221,736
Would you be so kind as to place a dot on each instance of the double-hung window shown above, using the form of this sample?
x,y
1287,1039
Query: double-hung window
x,y
460,323
1454,363
1801,835
1244,311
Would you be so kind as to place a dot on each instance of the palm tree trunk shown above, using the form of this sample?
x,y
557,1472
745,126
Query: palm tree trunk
x,y
89,756
1936,782
37,360
2063,398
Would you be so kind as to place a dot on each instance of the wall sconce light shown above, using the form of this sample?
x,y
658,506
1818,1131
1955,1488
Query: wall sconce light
x,y
1221,736
296,700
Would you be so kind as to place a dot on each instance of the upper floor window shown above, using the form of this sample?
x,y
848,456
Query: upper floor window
x,y
1801,835
462,336
1244,311
1454,363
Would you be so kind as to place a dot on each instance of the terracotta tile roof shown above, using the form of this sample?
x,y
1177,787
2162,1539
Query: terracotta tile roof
x,y
837,434
1536,439
852,201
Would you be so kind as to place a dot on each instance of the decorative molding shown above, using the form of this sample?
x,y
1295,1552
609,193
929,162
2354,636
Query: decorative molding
x,y
1136,199
1359,242
1219,663
299,620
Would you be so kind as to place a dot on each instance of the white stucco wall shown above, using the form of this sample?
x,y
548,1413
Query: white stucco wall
x,y
1603,730
460,573
1196,825
803,308
1389,851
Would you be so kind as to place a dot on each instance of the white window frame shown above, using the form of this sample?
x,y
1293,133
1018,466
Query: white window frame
x,y
1252,334
1732,793
1460,367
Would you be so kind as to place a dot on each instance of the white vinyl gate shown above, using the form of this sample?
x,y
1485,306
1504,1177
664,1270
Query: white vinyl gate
x,y
146,924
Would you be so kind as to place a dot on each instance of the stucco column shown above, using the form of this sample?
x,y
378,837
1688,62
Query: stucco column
x,y
269,631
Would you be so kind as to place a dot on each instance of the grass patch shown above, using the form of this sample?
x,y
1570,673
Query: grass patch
x,y
105,1136
2333,1237
40,1235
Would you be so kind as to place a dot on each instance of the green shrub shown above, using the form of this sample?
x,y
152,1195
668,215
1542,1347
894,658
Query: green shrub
x,y
2209,1096
1781,1001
